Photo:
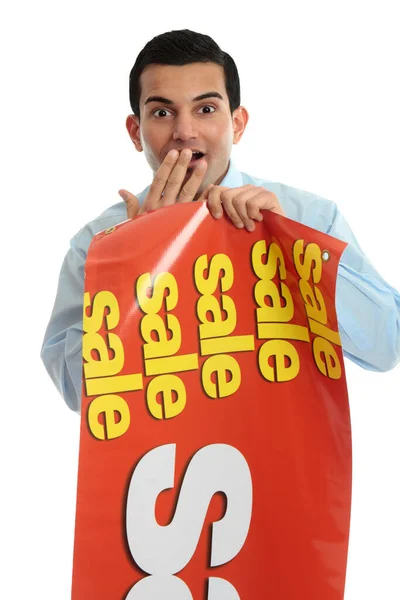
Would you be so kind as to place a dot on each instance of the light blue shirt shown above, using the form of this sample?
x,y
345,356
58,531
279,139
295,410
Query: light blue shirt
x,y
368,308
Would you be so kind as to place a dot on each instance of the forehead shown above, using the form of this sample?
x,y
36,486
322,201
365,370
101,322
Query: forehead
x,y
182,83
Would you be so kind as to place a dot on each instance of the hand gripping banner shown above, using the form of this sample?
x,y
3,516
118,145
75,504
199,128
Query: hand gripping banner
x,y
215,452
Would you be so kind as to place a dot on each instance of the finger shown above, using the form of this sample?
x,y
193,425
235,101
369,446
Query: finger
x,y
246,205
175,179
214,201
131,202
253,208
270,202
227,203
154,195
191,187
204,195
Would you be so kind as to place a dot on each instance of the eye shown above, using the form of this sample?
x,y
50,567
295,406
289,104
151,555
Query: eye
x,y
163,112
207,109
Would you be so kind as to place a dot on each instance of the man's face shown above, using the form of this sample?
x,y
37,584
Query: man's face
x,y
187,107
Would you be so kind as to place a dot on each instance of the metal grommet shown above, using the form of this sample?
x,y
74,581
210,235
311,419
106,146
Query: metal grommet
x,y
325,255
110,229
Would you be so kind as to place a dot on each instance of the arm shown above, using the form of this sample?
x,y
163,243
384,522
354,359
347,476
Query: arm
x,y
368,309
62,345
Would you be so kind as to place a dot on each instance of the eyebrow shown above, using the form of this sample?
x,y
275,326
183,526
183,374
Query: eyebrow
x,y
163,100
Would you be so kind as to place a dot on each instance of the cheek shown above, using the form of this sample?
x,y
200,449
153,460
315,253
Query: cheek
x,y
152,136
147,140
151,147
221,136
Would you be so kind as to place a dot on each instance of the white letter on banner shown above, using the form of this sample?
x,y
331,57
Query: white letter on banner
x,y
165,550
170,587
220,589
160,587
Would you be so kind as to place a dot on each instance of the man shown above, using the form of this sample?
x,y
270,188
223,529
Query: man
x,y
185,98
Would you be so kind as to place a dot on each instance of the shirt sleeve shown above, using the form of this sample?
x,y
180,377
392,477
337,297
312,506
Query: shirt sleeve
x,y
62,345
368,309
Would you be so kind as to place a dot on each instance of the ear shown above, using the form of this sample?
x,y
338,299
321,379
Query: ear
x,y
133,127
240,117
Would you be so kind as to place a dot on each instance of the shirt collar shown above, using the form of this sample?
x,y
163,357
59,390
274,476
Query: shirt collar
x,y
233,177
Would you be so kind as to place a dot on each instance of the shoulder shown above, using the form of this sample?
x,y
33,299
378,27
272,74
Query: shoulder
x,y
299,205
111,216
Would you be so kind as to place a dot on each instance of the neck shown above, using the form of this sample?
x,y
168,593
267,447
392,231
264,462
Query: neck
x,y
216,182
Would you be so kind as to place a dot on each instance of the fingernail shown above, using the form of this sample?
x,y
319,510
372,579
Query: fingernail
x,y
240,225
218,215
123,195
173,153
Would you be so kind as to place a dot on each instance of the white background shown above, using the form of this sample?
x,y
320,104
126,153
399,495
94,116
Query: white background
x,y
320,80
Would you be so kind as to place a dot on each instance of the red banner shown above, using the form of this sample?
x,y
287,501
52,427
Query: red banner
x,y
215,454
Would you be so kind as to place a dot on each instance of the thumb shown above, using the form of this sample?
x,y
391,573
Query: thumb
x,y
132,203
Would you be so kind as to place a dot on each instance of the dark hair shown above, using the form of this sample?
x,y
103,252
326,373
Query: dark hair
x,y
183,47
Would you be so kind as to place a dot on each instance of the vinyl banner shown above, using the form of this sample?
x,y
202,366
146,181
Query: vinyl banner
x,y
215,453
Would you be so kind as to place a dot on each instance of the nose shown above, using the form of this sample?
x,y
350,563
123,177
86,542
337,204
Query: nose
x,y
184,127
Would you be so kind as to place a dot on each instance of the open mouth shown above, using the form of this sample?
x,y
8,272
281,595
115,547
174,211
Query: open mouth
x,y
196,156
